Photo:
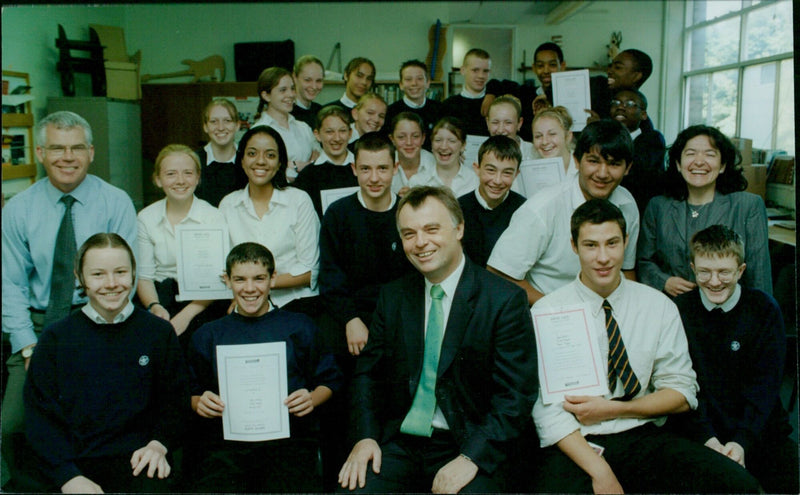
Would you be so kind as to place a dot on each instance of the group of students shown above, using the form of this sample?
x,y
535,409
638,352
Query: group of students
x,y
113,387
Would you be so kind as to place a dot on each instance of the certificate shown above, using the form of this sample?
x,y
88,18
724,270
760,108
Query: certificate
x,y
253,386
571,90
471,149
537,174
569,357
201,261
328,196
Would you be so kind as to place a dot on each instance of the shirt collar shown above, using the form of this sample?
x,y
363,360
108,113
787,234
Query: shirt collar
x,y
300,104
277,197
483,202
323,158
411,104
82,193
466,94
636,133
93,315
595,300
451,282
210,158
364,204
347,101
728,305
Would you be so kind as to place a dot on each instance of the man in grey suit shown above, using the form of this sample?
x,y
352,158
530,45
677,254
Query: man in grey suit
x,y
438,399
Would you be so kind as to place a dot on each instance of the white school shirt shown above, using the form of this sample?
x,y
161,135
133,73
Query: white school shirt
x,y
323,157
426,163
298,138
347,101
289,229
158,246
353,133
93,315
465,181
536,245
651,328
449,286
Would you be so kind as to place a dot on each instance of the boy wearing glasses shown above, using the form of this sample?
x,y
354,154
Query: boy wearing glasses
x,y
629,107
38,281
738,348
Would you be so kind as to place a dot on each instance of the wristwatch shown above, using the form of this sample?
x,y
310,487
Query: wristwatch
x,y
27,352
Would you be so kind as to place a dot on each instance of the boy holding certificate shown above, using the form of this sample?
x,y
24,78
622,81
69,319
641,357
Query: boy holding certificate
x,y
276,466
614,442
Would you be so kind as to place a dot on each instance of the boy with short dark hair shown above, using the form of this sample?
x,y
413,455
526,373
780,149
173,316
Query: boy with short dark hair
x,y
285,465
466,106
488,209
738,348
534,250
414,83
629,107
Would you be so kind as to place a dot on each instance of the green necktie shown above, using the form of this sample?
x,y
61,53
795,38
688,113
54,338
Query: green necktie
x,y
419,417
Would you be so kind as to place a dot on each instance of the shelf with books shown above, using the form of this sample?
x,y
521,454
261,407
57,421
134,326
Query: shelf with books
x,y
18,156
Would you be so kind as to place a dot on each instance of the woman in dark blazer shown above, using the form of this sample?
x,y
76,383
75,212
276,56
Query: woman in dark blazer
x,y
704,185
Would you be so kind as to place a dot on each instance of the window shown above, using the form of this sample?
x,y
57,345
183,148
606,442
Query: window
x,y
739,70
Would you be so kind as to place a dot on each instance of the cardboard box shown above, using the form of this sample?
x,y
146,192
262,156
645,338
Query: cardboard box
x,y
122,81
756,176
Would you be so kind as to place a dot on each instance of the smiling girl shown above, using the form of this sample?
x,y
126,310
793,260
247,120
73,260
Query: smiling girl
x,y
107,390
552,137
308,76
277,93
408,136
220,123
448,141
177,173
280,217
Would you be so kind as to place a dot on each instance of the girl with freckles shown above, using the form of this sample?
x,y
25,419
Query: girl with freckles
x,y
704,185
107,391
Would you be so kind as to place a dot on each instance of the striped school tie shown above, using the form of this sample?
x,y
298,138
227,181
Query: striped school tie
x,y
618,364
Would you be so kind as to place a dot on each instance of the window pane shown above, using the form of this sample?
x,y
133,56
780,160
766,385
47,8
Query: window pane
x,y
704,11
785,133
758,99
768,30
711,100
714,45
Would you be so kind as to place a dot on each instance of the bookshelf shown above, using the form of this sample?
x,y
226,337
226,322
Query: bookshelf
x,y
18,157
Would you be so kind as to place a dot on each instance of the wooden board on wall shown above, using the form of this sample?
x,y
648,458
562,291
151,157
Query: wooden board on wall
x,y
172,113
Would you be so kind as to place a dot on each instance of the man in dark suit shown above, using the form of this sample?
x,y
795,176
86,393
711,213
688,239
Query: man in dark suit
x,y
431,411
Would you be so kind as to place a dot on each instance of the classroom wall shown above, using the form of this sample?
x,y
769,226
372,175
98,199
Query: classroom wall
x,y
386,32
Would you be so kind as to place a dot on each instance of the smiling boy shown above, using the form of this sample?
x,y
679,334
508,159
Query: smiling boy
x,y
229,466
466,106
738,347
533,252
488,209
414,83
359,74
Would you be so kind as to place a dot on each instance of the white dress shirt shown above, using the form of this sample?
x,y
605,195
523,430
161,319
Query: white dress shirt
x,y
536,245
158,246
210,158
323,157
465,180
289,229
426,163
298,138
651,328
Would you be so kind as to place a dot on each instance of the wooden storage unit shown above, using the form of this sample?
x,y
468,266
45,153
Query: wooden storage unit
x,y
17,121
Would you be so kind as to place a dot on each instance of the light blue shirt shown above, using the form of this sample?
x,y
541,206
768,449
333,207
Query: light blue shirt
x,y
31,220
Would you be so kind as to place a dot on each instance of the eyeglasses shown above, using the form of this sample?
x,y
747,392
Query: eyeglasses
x,y
724,276
58,150
626,104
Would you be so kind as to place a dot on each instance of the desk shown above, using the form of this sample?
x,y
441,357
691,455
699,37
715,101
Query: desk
x,y
782,235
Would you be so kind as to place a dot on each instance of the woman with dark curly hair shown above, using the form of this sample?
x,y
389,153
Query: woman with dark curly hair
x,y
704,185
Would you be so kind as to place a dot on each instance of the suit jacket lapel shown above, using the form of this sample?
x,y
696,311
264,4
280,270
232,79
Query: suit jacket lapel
x,y
413,314
460,314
